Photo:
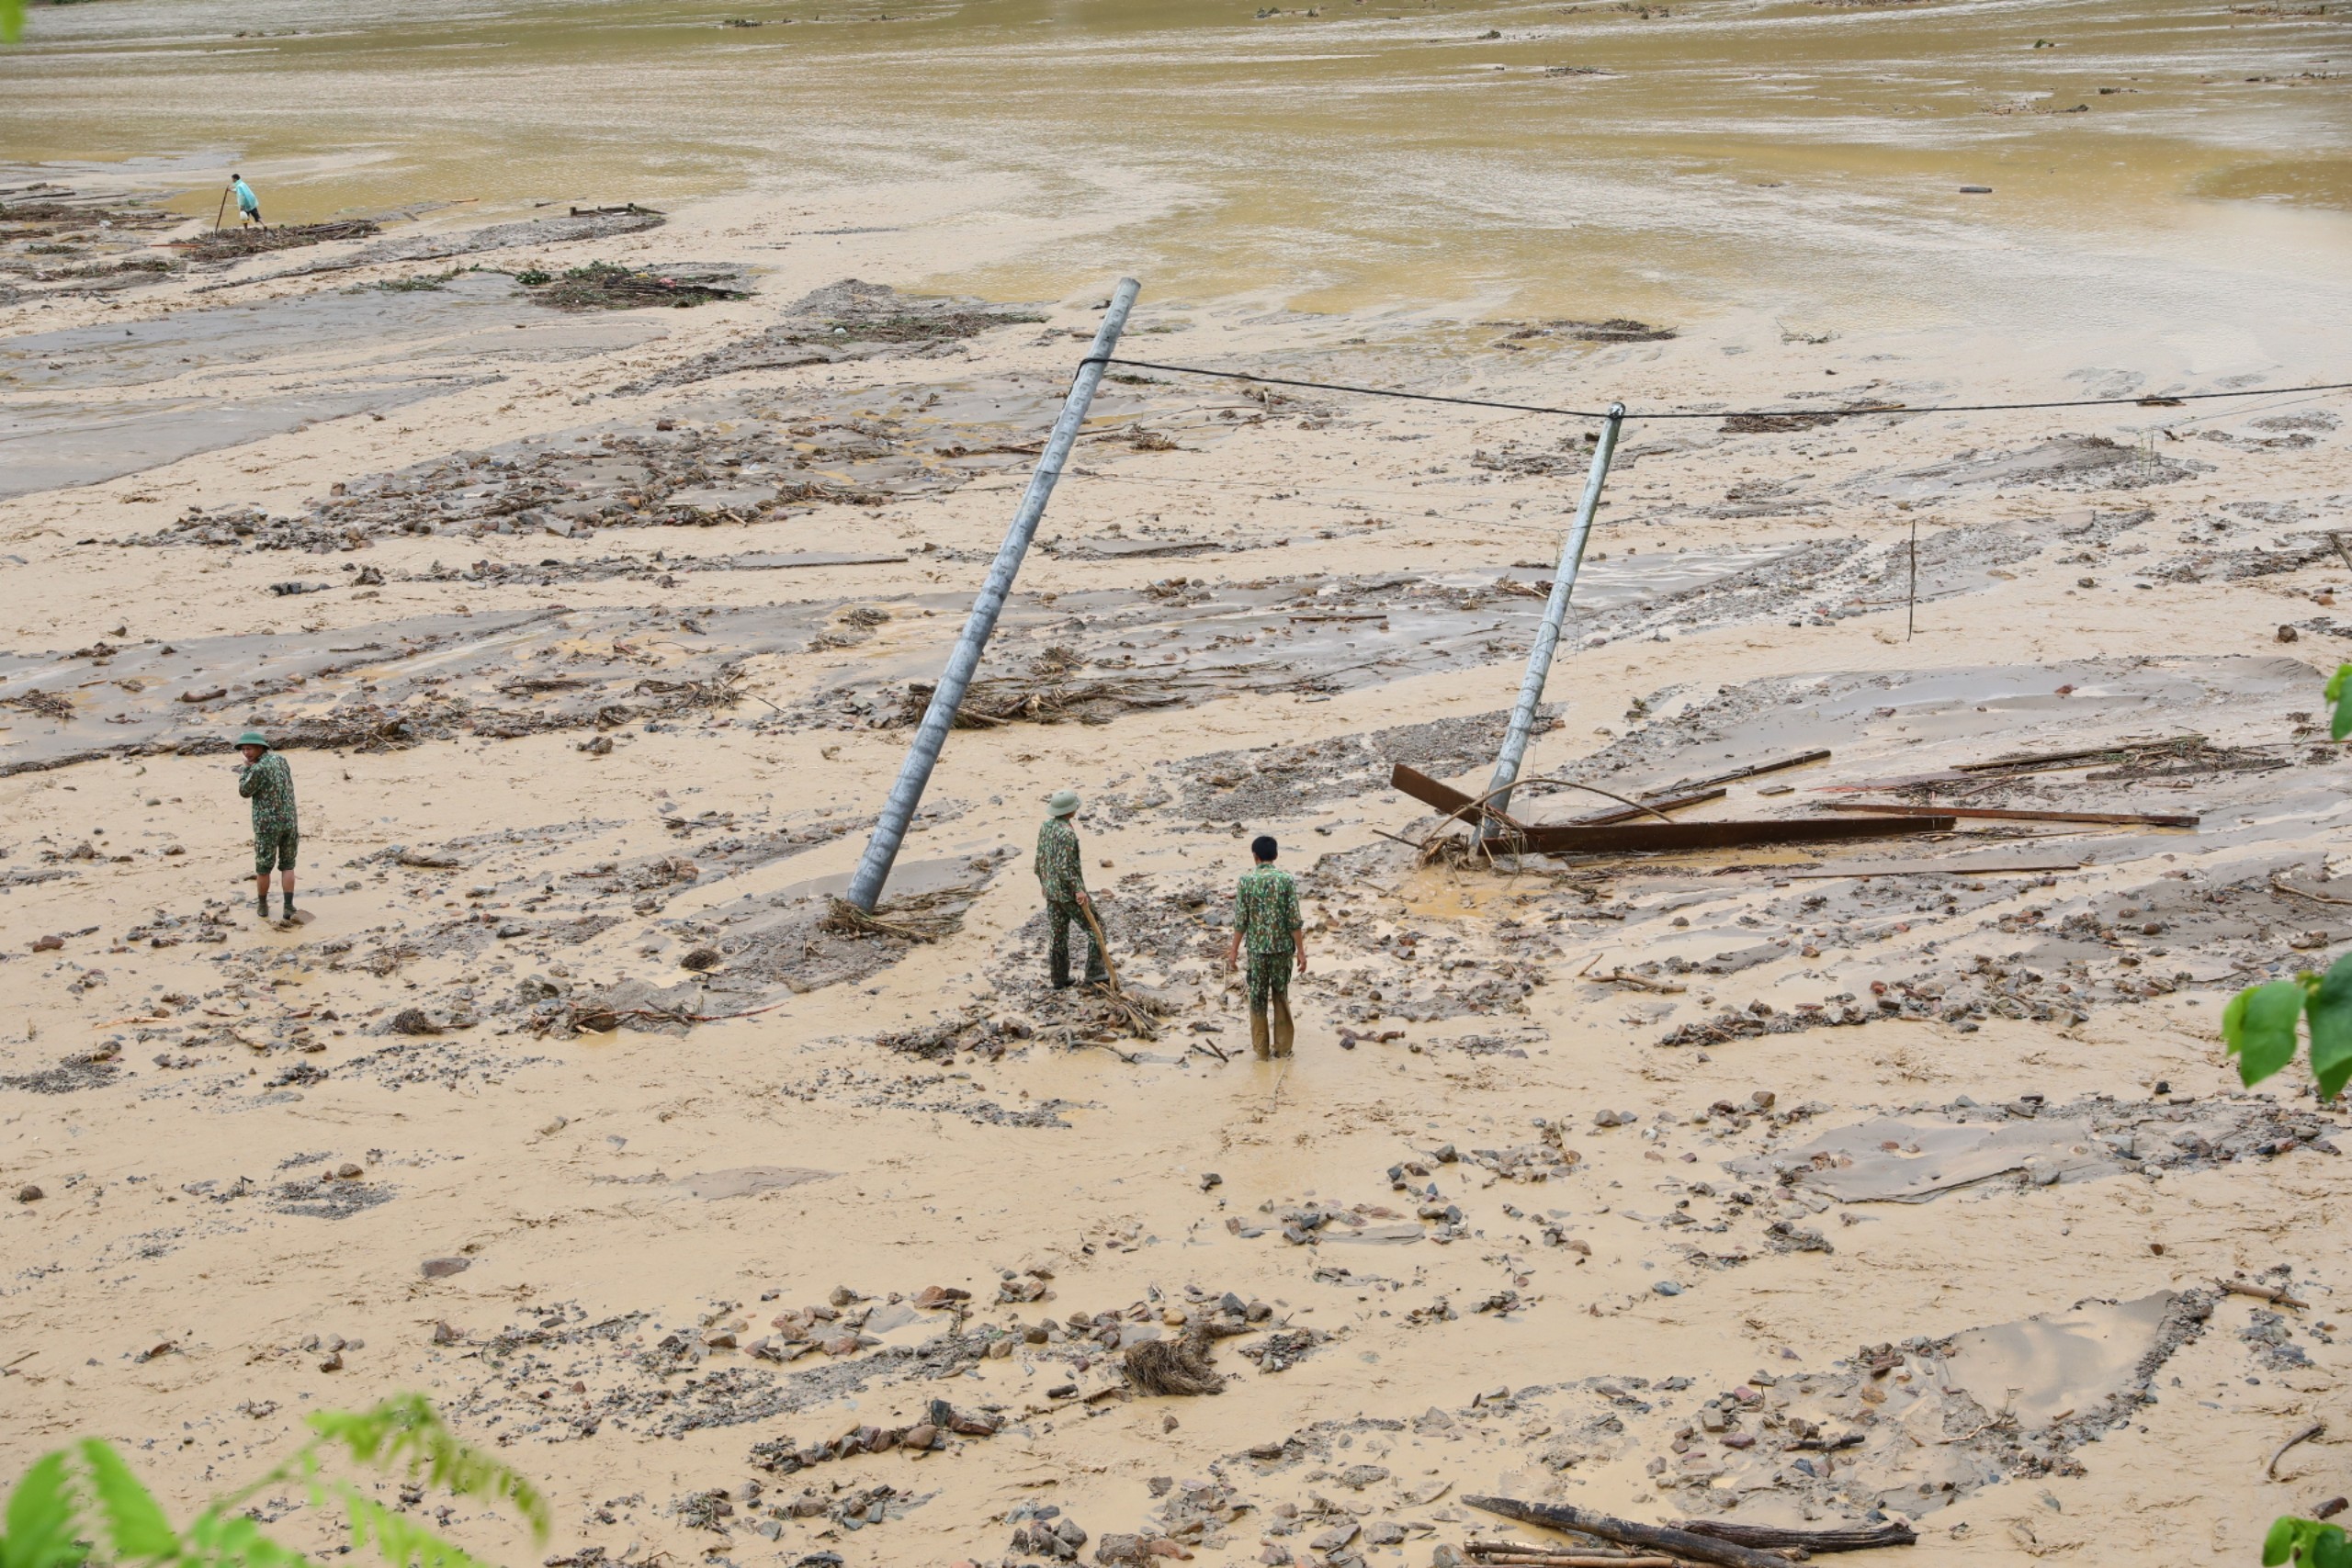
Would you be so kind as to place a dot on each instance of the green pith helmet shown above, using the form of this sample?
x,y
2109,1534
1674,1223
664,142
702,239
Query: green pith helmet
x,y
1062,803
253,737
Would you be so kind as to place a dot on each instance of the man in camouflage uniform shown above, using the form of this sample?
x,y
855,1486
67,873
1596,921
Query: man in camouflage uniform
x,y
1265,919
268,783
1063,881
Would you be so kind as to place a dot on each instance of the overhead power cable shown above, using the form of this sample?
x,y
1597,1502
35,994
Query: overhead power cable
x,y
1809,416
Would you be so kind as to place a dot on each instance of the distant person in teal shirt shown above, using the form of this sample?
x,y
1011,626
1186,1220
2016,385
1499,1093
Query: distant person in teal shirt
x,y
248,204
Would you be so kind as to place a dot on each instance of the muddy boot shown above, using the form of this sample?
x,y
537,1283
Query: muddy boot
x,y
261,905
1285,1031
1258,1034
286,913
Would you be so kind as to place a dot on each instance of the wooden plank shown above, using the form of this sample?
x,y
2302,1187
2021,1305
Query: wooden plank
x,y
2005,814
1625,836
1948,869
1862,1537
1430,792
2089,756
1753,770
1628,813
1684,1544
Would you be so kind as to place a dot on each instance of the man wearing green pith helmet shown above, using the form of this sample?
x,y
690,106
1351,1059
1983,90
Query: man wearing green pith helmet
x,y
1063,881
266,779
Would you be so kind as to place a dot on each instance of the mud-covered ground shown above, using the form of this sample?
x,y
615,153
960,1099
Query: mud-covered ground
x,y
1902,1178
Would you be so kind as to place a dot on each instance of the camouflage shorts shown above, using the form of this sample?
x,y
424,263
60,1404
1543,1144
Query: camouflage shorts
x,y
275,846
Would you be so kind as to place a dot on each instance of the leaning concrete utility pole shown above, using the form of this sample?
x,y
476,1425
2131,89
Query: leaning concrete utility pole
x,y
866,887
1547,635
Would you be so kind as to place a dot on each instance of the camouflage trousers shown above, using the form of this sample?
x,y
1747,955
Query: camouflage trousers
x,y
1270,977
1059,917
1270,1029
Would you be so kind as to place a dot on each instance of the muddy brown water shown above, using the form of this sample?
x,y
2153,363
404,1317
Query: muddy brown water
x,y
1580,160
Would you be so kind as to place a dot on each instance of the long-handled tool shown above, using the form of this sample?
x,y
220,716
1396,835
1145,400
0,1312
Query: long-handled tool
x,y
222,211
1101,948
1137,1018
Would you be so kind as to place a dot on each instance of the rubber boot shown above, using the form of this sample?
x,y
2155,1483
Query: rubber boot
x,y
1257,1035
261,905
1285,1031
286,913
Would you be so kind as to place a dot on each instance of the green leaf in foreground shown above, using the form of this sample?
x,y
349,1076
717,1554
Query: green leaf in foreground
x,y
2330,1014
40,1518
2259,1026
2339,694
406,1433
135,1521
12,21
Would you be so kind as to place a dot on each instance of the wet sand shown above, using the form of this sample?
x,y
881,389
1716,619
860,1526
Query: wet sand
x,y
1892,1180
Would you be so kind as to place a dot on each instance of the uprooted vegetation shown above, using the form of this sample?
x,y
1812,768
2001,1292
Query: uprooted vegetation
x,y
849,320
670,473
229,245
608,286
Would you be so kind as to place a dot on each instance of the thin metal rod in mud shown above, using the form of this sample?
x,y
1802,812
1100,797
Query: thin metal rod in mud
x,y
890,831
1547,635
1911,614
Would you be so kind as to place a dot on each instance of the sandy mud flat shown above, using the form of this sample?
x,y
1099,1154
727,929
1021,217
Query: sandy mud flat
x,y
593,570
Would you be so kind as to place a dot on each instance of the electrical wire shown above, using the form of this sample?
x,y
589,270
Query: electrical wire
x,y
1807,414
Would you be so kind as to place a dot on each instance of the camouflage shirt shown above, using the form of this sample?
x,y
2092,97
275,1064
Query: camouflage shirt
x,y
269,784
1057,869
1265,910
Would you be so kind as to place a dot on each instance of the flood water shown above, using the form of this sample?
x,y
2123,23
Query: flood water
x,y
1802,158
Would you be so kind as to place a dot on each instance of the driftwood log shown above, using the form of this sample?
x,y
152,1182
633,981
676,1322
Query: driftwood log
x,y
1685,1544
1855,1539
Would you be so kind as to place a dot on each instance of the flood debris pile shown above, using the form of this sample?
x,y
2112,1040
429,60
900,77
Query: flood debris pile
x,y
849,320
608,286
580,224
669,476
1617,329
50,235
231,245
975,1029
